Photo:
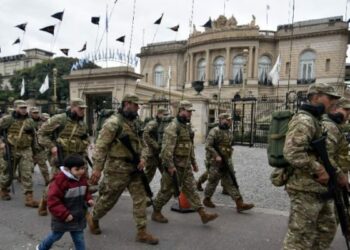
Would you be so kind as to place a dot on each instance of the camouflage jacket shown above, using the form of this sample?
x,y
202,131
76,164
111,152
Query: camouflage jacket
x,y
150,139
108,146
302,130
337,145
177,145
38,123
71,134
219,139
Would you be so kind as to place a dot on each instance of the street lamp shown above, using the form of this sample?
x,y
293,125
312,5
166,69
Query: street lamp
x,y
245,71
54,97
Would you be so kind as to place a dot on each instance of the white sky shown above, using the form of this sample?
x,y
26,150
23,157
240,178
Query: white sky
x,y
76,27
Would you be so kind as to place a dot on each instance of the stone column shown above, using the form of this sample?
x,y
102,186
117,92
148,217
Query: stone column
x,y
250,62
207,67
191,69
199,119
256,62
227,66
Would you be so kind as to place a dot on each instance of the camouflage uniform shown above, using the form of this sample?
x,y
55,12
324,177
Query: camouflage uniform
x,y
312,223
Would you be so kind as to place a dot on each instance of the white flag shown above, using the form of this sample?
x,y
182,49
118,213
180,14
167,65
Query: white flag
x,y
23,90
169,76
45,85
221,77
275,72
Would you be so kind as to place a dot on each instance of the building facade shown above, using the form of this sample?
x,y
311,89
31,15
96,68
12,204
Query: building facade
x,y
239,58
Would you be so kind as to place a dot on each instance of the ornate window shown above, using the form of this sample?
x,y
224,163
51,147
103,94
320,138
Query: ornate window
x,y
159,80
238,69
201,70
307,67
219,70
264,70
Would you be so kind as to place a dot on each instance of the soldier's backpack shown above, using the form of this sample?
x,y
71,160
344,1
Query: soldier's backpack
x,y
102,117
276,138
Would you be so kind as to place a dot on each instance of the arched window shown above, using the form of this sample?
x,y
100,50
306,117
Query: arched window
x,y
219,70
307,67
237,69
159,76
201,70
264,70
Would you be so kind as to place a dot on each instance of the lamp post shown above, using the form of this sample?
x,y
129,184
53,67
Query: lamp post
x,y
245,71
54,97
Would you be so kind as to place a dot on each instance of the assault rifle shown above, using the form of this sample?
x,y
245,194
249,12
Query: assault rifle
x,y
227,167
176,185
7,158
125,140
339,195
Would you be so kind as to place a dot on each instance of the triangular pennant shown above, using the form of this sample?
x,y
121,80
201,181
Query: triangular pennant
x,y
65,51
83,49
159,20
22,26
17,41
208,24
49,29
175,28
95,20
121,39
58,15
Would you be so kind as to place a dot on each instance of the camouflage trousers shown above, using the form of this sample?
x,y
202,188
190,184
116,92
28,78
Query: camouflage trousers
x,y
187,186
152,164
116,178
22,160
312,223
40,159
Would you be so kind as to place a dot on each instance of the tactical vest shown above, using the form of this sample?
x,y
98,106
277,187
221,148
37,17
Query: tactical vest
x,y
118,150
224,142
184,141
71,137
20,134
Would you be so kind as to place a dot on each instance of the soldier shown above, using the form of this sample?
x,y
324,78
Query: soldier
x,y
20,135
114,159
153,144
312,223
40,156
218,145
69,131
177,156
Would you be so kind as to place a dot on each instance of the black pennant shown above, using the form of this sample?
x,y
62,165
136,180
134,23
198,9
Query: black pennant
x,y
83,49
65,51
95,20
175,28
17,41
208,24
22,26
58,15
49,29
121,39
159,20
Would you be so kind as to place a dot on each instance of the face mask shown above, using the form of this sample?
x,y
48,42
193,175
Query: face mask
x,y
130,115
182,119
337,117
74,116
316,110
224,126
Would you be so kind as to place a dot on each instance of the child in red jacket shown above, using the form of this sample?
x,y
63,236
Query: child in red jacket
x,y
68,199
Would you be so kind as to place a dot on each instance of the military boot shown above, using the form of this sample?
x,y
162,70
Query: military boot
x,y
5,194
158,217
29,201
205,216
208,203
93,224
241,206
144,237
42,210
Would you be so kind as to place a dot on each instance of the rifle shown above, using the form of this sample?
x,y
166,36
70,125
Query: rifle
x,y
226,166
125,140
339,195
89,161
7,157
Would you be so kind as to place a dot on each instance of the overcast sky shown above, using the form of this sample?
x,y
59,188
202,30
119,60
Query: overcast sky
x,y
76,27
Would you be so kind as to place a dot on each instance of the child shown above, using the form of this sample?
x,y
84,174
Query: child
x,y
68,198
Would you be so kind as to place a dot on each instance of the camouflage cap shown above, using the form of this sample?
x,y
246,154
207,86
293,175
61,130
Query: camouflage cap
x,y
323,88
20,104
343,103
186,105
45,115
162,110
131,98
225,116
34,110
78,102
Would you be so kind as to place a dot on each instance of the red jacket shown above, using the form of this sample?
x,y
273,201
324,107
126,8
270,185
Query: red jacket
x,y
68,195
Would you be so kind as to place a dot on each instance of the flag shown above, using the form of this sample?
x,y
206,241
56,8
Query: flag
x,y
95,20
58,15
175,28
275,72
22,26
23,87
65,51
169,76
106,20
208,24
17,41
268,7
83,49
221,77
121,39
159,20
49,29
45,85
